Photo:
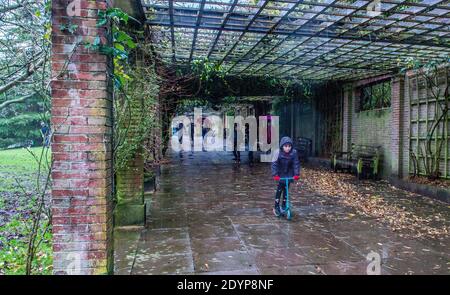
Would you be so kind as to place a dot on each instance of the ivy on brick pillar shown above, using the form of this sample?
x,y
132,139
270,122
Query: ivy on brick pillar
x,y
347,117
397,124
81,148
130,208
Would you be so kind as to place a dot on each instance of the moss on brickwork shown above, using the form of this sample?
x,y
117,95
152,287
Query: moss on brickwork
x,y
136,117
129,214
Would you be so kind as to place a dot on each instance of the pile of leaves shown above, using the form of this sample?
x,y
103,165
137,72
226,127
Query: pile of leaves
x,y
376,199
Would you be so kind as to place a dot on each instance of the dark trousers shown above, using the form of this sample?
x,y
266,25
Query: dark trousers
x,y
237,154
281,189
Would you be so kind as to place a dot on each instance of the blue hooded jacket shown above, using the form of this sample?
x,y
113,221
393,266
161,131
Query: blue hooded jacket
x,y
285,164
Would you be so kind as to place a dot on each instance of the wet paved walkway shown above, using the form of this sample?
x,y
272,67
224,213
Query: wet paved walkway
x,y
212,216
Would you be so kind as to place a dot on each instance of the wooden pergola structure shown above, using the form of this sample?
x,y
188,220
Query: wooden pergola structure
x,y
314,39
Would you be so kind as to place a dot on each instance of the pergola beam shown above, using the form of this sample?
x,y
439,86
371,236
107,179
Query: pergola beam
x,y
297,64
284,15
172,30
363,45
298,29
290,37
389,11
225,20
300,34
252,20
199,19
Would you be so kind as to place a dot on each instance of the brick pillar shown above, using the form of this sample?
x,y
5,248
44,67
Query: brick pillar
x,y
406,125
397,125
347,117
81,148
130,209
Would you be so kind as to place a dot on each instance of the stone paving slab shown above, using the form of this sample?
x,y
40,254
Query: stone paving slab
x,y
212,216
223,261
125,247
155,264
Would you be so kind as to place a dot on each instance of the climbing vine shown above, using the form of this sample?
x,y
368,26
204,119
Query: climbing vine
x,y
135,112
136,87
430,150
121,43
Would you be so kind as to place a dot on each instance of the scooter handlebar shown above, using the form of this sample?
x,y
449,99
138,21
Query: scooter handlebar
x,y
286,178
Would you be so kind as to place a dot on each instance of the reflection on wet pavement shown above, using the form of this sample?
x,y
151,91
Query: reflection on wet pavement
x,y
212,216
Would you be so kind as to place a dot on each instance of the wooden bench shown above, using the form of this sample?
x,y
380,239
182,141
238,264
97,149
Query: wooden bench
x,y
362,160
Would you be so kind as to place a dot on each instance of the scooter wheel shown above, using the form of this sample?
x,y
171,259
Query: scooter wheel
x,y
288,215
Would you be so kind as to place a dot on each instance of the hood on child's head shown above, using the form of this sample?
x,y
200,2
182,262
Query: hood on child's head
x,y
285,140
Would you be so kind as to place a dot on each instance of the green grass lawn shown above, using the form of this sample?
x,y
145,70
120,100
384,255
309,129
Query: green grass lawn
x,y
20,166
22,159
19,173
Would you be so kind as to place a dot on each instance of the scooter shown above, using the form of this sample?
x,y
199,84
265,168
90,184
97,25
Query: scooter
x,y
287,210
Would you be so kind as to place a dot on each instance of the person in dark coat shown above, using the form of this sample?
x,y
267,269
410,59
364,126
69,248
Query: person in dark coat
x,y
236,152
45,132
248,144
285,164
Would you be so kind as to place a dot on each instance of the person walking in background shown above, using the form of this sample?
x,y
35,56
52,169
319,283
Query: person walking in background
x,y
236,152
45,132
248,144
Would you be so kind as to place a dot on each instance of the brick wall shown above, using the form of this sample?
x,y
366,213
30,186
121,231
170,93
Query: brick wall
x,y
390,127
370,127
399,121
373,128
81,148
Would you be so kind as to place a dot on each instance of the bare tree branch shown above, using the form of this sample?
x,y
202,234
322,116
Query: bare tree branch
x,y
31,69
9,8
17,100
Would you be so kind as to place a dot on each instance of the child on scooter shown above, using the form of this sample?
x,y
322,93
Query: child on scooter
x,y
285,164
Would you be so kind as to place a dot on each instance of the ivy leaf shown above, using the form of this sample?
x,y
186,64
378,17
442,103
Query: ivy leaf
x,y
121,54
122,36
72,28
131,44
118,14
119,47
102,20
106,50
48,6
47,36
117,83
96,41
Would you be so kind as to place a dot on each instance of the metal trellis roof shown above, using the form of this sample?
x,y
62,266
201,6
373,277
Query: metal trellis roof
x,y
315,39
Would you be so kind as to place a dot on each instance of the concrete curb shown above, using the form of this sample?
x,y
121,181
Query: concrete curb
x,y
433,192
